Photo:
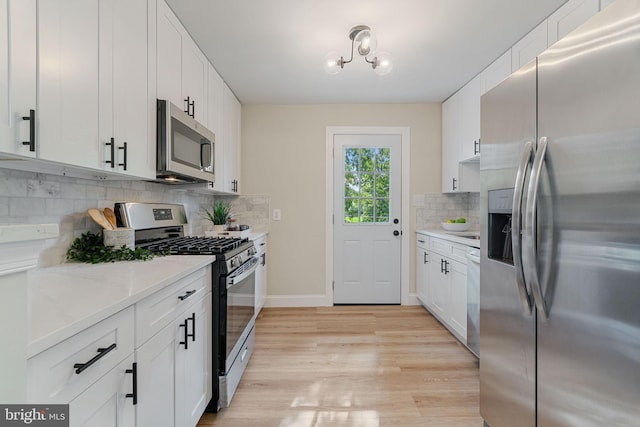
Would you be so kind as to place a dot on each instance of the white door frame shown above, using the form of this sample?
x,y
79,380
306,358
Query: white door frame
x,y
405,134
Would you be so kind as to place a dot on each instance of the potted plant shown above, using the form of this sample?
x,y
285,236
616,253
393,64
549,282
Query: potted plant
x,y
218,215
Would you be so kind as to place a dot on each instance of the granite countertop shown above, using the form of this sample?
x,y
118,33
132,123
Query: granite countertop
x,y
456,237
69,298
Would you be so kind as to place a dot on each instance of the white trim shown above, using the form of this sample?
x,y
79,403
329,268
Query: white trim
x,y
405,133
298,301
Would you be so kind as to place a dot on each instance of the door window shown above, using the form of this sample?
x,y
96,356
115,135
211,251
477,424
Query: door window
x,y
366,185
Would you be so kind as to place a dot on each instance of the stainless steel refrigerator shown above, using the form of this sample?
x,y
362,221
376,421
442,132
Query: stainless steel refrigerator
x,y
560,215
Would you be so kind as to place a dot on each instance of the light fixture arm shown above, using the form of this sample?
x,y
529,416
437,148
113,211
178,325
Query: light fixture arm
x,y
363,39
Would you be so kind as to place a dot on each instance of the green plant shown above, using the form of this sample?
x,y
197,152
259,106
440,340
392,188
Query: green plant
x,y
219,214
89,248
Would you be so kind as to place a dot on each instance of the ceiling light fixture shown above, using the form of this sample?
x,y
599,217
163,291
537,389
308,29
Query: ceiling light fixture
x,y
364,41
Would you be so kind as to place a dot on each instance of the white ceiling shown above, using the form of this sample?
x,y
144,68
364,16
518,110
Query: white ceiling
x,y
272,51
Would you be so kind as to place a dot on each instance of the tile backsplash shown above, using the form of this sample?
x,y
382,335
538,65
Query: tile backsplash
x,y
34,198
439,207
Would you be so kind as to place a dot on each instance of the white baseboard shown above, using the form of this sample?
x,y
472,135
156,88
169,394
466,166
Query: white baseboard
x,y
298,301
314,301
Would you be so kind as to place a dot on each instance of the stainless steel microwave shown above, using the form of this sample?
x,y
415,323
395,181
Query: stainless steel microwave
x,y
185,148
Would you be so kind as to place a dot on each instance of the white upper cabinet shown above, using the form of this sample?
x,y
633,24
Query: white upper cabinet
x,y
231,123
495,73
469,121
182,68
570,16
68,86
529,47
450,144
125,100
215,90
17,76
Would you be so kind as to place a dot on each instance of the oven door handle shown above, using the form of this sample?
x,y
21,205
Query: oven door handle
x,y
233,279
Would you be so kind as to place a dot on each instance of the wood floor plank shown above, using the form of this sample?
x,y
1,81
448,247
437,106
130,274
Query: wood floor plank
x,y
354,366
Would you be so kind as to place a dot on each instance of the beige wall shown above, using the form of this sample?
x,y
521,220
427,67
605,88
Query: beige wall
x,y
283,156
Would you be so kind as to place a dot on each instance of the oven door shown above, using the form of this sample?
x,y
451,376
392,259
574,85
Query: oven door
x,y
237,311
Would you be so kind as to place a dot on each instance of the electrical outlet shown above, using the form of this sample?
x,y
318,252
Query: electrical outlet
x,y
277,214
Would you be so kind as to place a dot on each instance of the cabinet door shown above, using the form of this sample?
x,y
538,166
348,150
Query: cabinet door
x,y
569,17
529,47
130,92
124,100
450,143
470,119
17,74
105,404
215,87
231,117
68,86
438,284
422,269
193,368
495,73
195,68
457,318
156,361
169,55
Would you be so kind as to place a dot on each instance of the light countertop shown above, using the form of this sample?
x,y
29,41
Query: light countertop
x,y
11,233
456,237
68,298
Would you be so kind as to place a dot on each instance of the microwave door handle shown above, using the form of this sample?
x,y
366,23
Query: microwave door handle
x,y
202,144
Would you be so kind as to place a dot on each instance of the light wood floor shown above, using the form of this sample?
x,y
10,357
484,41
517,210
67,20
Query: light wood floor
x,y
364,366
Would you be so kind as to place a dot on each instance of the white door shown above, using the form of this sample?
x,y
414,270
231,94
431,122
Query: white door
x,y
367,218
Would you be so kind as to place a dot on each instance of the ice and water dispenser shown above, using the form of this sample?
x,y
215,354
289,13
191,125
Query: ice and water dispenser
x,y
499,238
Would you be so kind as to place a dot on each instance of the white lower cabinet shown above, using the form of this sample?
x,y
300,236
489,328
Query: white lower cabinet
x,y
109,380
174,365
261,273
446,284
91,371
422,269
108,402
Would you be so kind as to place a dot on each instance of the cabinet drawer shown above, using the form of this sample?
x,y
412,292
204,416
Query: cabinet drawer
x,y
422,241
51,375
158,310
448,249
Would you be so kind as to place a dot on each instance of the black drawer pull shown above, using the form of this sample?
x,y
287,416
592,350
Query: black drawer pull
x,y
185,325
80,367
134,371
32,130
193,326
112,145
187,295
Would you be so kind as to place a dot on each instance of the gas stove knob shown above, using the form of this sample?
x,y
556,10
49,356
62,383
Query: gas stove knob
x,y
252,251
233,262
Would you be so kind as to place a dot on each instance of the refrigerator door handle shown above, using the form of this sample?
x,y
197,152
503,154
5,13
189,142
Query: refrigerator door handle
x,y
531,229
516,228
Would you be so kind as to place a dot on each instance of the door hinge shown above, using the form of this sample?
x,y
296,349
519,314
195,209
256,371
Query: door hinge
x,y
333,285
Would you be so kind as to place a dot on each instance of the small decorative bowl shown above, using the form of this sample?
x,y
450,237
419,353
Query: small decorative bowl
x,y
455,226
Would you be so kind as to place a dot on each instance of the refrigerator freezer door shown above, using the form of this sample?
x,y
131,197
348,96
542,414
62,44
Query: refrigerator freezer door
x,y
507,329
588,220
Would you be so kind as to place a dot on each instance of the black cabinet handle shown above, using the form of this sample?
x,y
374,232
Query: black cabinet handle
x,y
425,257
476,147
446,267
32,130
455,182
80,367
186,100
192,335
124,159
186,334
112,144
264,259
134,394
191,107
234,185
441,265
187,295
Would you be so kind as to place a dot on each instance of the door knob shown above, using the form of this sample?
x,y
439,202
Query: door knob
x,y
396,233
395,220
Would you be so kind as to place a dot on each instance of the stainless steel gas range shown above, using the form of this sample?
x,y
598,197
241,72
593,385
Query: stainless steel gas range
x,y
160,228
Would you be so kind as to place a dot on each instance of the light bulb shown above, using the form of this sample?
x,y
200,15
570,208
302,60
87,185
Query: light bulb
x,y
366,42
332,63
382,63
